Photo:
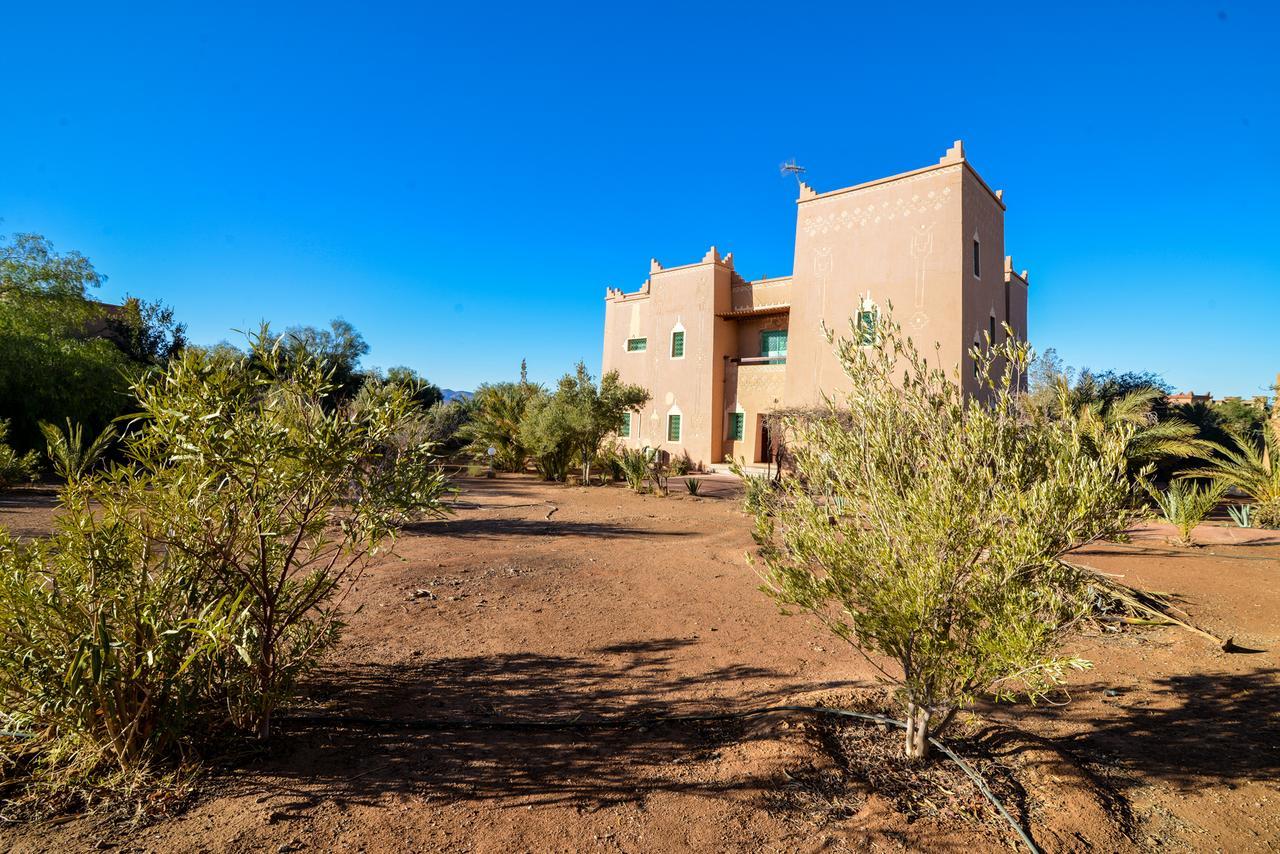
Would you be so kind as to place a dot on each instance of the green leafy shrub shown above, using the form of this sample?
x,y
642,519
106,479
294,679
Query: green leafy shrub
x,y
15,468
107,639
71,458
943,556
634,463
681,465
190,588
1187,504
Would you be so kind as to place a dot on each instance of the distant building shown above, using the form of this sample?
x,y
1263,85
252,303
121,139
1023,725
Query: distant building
x,y
1187,398
719,353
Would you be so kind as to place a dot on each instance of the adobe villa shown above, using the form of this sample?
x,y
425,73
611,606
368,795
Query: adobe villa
x,y
718,352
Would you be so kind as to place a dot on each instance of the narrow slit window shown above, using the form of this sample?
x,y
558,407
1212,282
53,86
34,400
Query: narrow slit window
x,y
737,425
993,329
673,428
637,345
977,259
677,345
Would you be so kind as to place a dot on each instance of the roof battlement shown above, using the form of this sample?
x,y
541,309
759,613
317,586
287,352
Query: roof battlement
x,y
954,157
712,257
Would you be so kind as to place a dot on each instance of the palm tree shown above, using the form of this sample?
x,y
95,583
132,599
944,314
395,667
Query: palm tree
x,y
497,411
1154,439
1253,467
71,458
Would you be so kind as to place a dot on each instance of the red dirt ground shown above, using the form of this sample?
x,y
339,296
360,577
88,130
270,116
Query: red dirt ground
x,y
626,604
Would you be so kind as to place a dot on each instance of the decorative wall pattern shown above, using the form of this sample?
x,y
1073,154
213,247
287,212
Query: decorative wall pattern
x,y
870,212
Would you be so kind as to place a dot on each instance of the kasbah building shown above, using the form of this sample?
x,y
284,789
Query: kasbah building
x,y
718,353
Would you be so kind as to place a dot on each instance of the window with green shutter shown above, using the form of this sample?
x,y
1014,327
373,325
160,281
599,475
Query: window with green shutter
x,y
737,425
773,343
673,428
637,345
677,345
625,430
867,327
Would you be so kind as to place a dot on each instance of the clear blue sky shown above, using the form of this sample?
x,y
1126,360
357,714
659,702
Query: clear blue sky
x,y
462,181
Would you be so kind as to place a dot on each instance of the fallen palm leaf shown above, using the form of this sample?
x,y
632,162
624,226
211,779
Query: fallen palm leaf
x,y
1146,607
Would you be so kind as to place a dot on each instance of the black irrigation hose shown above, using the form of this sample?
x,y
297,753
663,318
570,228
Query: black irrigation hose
x,y
654,720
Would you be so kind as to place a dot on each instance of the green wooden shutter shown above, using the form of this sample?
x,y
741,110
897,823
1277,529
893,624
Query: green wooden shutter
x,y
867,327
677,345
673,428
625,432
737,423
637,345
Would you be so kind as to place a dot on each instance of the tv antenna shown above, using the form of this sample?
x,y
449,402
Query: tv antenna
x,y
791,168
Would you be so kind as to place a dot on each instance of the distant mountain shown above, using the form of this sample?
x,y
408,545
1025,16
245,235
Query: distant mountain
x,y
453,394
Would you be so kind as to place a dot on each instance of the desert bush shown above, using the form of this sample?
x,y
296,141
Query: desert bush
x,y
693,485
444,422
280,495
943,552
107,639
1253,467
682,464
14,467
71,458
1186,504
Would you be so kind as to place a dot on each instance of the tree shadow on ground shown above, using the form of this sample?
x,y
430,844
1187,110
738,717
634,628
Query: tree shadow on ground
x,y
472,753
1197,730
507,527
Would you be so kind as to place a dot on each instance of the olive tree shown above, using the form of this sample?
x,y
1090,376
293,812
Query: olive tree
x,y
926,526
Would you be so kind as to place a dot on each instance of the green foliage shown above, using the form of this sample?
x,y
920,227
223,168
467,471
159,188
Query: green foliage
x,y
339,348
548,432
189,589
71,458
107,639
15,468
280,492
1253,467
146,332
1241,514
1187,504
681,465
931,534
443,424
573,421
693,485
634,463
496,412
427,394
54,361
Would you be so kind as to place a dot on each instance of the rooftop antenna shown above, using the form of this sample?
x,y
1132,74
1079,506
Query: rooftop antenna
x,y
790,168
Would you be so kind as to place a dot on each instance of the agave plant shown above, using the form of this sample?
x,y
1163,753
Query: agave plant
x,y
693,485
1241,514
1253,468
72,459
1186,504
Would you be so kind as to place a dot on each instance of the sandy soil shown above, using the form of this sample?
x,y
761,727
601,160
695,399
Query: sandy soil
x,y
621,604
